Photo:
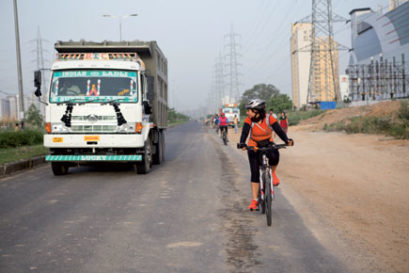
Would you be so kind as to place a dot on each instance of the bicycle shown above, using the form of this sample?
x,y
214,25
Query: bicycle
x,y
224,134
264,198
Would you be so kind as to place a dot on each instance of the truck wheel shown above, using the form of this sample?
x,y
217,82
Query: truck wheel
x,y
145,166
59,168
163,145
157,157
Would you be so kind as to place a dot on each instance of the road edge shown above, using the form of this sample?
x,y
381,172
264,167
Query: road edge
x,y
15,166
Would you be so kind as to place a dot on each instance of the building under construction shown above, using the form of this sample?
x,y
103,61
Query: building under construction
x,y
378,65
324,79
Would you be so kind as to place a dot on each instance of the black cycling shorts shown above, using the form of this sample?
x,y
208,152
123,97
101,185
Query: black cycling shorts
x,y
224,128
255,159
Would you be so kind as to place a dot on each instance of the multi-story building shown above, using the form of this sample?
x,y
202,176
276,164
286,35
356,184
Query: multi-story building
x,y
324,78
300,61
11,109
4,109
378,64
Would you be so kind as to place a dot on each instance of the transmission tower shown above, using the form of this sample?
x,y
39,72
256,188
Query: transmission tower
x,y
323,82
40,65
219,80
231,47
217,89
39,50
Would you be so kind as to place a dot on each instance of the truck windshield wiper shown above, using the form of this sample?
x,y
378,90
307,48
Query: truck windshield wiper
x,y
66,118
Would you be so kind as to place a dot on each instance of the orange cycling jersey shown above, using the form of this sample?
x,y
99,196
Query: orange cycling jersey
x,y
260,130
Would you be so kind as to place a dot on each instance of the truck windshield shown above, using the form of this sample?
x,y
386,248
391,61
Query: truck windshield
x,y
94,86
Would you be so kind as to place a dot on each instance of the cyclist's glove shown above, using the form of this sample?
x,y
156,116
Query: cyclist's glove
x,y
241,145
290,140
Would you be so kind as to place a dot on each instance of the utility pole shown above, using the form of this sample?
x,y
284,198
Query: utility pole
x,y
232,64
20,76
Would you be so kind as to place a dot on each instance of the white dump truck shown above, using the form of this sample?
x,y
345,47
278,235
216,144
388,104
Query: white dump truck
x,y
107,101
231,110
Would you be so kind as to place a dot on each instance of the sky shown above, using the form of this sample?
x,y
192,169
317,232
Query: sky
x,y
191,33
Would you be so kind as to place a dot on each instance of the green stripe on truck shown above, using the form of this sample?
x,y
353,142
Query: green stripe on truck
x,y
93,158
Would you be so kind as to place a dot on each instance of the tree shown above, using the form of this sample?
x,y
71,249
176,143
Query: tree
x,y
174,116
33,117
279,102
259,91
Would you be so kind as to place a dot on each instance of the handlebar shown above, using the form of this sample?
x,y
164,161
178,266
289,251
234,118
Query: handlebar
x,y
271,146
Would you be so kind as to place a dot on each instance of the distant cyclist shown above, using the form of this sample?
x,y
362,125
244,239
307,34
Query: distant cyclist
x,y
260,136
216,123
223,123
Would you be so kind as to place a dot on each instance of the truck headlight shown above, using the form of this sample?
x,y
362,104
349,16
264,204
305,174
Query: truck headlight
x,y
126,128
59,128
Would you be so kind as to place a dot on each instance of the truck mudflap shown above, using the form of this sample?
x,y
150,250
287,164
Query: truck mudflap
x,y
92,158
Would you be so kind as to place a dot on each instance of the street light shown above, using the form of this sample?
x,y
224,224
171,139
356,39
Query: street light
x,y
120,21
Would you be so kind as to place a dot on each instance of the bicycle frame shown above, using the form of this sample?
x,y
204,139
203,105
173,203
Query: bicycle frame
x,y
265,171
264,168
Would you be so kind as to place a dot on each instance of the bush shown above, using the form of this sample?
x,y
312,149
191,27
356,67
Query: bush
x,y
403,112
401,132
20,138
338,126
295,117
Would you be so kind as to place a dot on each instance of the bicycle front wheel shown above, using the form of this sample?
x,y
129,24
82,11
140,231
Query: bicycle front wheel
x,y
267,201
261,207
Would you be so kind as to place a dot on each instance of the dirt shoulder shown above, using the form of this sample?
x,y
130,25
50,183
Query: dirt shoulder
x,y
333,116
358,186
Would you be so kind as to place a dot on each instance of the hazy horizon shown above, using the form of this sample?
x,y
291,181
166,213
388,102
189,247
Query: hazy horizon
x,y
190,33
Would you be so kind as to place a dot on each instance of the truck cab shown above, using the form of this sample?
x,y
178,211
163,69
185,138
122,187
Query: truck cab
x,y
106,102
231,110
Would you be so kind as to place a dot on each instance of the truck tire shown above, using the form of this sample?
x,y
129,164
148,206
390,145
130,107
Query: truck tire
x,y
59,168
157,157
163,145
145,166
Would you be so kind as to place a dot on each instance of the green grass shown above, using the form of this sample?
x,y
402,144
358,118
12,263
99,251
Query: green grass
x,y
295,117
177,122
23,152
27,137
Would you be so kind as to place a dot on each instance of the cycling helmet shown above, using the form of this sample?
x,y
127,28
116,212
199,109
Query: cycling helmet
x,y
256,104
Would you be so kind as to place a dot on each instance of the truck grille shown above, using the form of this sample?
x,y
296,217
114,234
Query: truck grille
x,y
93,128
94,117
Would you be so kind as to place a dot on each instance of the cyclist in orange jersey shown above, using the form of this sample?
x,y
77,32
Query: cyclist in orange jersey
x,y
260,126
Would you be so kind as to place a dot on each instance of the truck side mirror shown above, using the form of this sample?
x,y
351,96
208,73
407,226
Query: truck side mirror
x,y
147,108
37,82
150,95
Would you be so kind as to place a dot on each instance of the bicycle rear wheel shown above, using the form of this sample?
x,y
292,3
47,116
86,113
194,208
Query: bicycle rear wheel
x,y
224,138
267,201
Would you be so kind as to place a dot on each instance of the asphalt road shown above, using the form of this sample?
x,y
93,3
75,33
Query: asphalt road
x,y
188,215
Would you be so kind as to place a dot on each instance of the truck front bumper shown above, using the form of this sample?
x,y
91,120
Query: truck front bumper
x,y
94,141
93,158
